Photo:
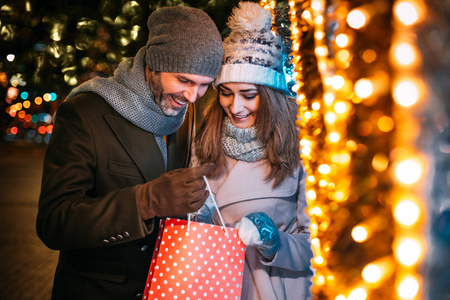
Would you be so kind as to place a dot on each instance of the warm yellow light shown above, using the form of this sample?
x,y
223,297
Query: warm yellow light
x,y
360,234
316,5
380,162
405,54
318,260
408,171
311,194
315,241
319,35
319,20
342,40
363,88
372,273
18,106
385,123
343,55
315,106
408,288
47,97
340,297
316,211
38,100
356,19
408,251
321,51
324,169
369,56
307,115
330,117
311,178
306,15
328,98
323,183
406,93
351,145
320,280
337,82
334,137
26,104
406,12
406,212
340,107
357,294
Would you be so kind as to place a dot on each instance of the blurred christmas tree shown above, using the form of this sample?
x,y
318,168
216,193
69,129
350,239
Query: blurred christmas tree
x,y
49,47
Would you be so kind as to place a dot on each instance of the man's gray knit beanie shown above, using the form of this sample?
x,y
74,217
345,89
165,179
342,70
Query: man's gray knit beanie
x,y
183,40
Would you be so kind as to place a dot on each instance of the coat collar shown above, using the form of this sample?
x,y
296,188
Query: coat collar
x,y
246,181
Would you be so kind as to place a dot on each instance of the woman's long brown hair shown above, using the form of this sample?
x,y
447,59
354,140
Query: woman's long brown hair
x,y
276,128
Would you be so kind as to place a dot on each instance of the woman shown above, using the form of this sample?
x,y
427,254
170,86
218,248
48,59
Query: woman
x,y
249,132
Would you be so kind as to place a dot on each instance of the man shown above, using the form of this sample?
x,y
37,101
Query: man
x,y
117,159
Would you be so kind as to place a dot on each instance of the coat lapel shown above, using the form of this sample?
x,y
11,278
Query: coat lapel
x,y
140,145
246,181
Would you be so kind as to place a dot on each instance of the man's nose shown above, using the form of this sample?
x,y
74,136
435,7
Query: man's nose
x,y
191,93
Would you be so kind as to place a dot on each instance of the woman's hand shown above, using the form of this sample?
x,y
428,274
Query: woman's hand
x,y
258,229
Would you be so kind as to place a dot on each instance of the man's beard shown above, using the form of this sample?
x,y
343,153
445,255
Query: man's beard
x,y
161,98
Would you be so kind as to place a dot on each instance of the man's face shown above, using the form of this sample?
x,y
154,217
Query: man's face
x,y
174,91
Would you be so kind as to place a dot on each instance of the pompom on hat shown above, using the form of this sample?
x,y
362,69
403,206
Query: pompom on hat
x,y
252,52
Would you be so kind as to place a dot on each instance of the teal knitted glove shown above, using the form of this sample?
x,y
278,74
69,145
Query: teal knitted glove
x,y
260,232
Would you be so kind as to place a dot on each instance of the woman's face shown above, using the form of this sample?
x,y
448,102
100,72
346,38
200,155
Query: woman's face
x,y
240,101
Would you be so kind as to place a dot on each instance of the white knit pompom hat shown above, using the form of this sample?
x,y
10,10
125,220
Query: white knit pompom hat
x,y
252,53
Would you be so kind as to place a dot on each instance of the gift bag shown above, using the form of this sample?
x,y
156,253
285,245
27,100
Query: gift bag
x,y
195,261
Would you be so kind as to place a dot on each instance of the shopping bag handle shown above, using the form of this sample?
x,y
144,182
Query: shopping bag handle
x,y
215,204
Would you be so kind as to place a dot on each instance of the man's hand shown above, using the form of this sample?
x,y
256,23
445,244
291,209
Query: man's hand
x,y
174,193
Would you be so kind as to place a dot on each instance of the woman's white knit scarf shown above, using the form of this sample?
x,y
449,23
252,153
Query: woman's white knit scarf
x,y
129,94
241,143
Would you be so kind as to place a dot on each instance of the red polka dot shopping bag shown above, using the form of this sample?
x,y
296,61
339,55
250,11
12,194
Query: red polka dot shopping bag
x,y
195,261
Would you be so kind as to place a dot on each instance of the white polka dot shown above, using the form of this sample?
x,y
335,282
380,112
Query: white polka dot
x,y
180,239
190,286
211,257
177,284
196,248
177,251
165,230
199,235
187,266
189,253
156,267
154,279
180,271
172,277
167,250
165,281
174,264
194,228
161,274
175,231
184,246
192,241
158,287
205,231
192,273
167,269
169,237
185,279
183,291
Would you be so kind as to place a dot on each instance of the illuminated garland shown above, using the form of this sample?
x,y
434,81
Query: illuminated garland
x,y
365,178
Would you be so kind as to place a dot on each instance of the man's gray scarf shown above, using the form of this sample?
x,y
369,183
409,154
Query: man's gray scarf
x,y
241,143
129,94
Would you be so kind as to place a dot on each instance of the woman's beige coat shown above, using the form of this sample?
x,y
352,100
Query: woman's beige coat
x,y
245,190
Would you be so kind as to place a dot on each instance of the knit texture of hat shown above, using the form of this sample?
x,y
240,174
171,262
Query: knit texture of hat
x,y
252,52
183,40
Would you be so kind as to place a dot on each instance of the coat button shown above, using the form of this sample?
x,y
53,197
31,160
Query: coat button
x,y
119,237
139,295
106,242
126,234
143,248
113,239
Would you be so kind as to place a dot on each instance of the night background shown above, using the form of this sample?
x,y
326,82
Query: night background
x,y
358,124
